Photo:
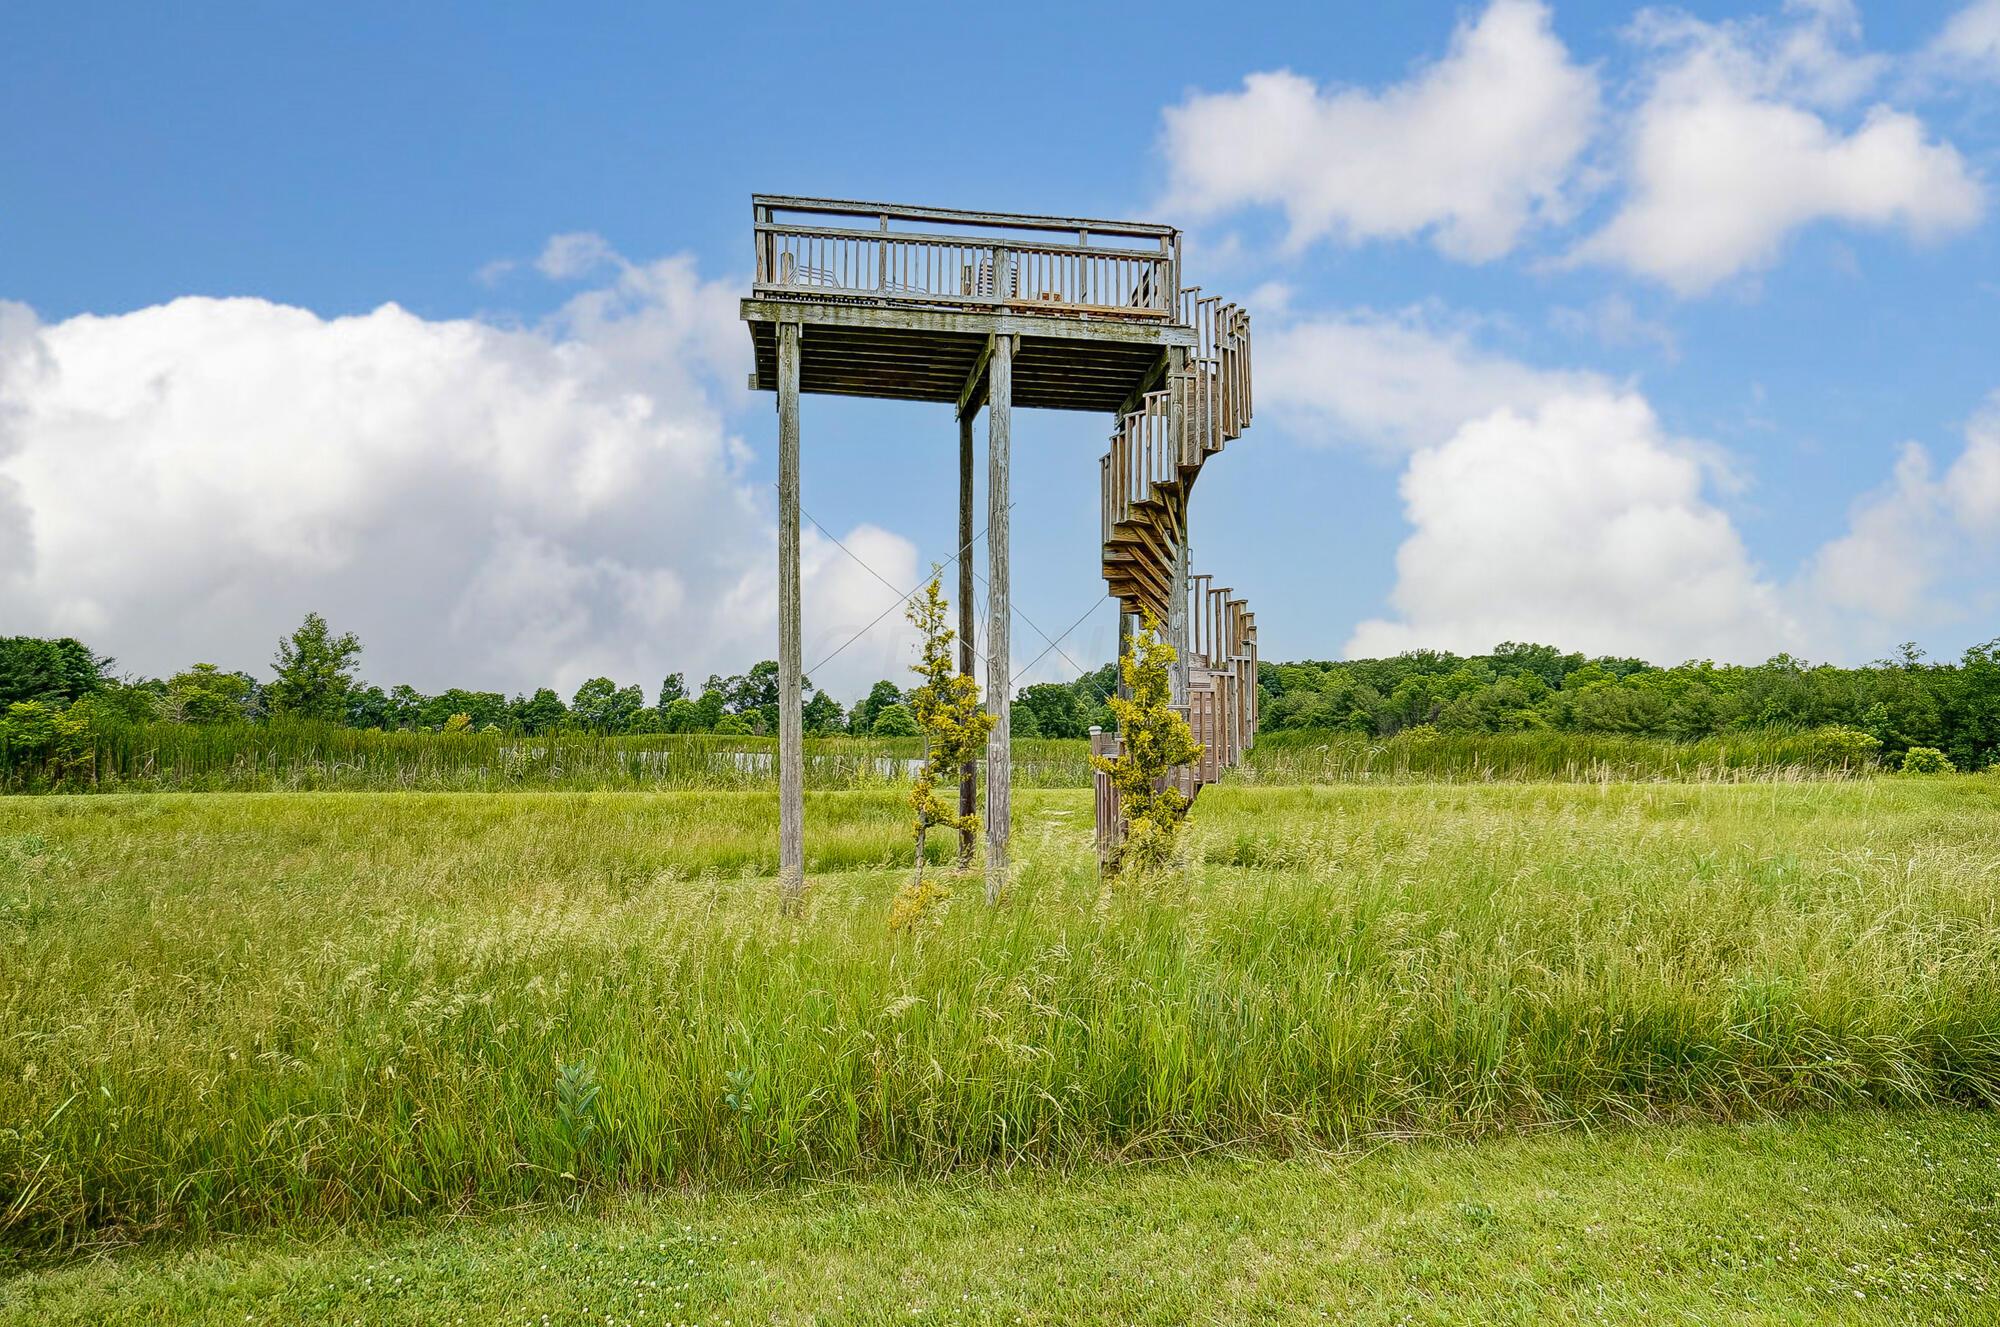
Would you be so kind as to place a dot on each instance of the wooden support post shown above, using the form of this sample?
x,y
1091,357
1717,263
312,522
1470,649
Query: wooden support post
x,y
999,688
1118,686
1177,620
968,773
1176,625
791,763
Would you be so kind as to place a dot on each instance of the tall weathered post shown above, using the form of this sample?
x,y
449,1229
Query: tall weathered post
x,y
791,760
967,647
999,687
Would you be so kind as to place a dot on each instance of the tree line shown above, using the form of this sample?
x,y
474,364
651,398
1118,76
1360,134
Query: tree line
x,y
1898,704
49,684
1901,704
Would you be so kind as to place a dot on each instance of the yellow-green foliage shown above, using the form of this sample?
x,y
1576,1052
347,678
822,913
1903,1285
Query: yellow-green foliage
x,y
1926,760
947,710
1154,741
62,738
916,903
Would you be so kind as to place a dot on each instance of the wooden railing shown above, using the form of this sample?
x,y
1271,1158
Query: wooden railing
x,y
1213,397
1222,653
1099,268
1141,455
1146,479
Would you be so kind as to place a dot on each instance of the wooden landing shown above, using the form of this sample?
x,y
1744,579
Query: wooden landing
x,y
933,355
904,302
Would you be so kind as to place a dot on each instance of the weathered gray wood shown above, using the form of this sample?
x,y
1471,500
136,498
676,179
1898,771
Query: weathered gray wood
x,y
1137,314
968,774
917,358
1177,623
1151,382
791,763
974,241
1124,648
969,322
995,260
763,205
1080,405
1177,594
973,394
999,687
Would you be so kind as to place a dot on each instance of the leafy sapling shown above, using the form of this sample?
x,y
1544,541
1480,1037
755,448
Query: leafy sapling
x,y
954,728
1154,741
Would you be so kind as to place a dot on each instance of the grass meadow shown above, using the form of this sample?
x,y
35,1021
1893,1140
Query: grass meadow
x,y
1853,1217
306,1012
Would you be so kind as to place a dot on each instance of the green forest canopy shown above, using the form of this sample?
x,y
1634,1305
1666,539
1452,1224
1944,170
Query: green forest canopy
x,y
1905,702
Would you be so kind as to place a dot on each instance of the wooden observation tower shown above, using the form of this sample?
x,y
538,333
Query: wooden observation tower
x,y
972,309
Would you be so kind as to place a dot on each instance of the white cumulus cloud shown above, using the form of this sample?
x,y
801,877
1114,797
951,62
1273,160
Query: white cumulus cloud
x,y
574,254
486,506
1732,149
1972,485
1969,42
1919,549
1397,381
1469,151
1883,566
1579,522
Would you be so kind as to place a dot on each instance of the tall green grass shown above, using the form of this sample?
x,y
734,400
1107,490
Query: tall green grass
x,y
225,1013
304,756
291,756
1426,755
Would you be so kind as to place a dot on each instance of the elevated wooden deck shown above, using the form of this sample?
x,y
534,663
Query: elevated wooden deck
x,y
902,302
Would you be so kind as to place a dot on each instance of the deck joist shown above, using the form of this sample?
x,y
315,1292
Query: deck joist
x,y
910,354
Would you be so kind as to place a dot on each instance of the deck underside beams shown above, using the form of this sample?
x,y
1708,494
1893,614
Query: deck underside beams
x,y
930,355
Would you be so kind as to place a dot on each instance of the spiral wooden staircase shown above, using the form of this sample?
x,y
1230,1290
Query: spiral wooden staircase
x,y
1156,454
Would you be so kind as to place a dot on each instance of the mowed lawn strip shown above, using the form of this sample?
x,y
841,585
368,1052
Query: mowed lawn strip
x,y
1861,1217
234,1013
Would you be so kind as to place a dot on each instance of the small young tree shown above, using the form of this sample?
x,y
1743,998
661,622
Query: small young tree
x,y
710,710
602,706
542,712
821,715
861,720
895,721
206,694
954,727
315,671
1154,741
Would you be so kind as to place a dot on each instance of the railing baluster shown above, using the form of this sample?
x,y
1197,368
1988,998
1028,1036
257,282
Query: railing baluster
x,y
1070,272
1118,469
1125,467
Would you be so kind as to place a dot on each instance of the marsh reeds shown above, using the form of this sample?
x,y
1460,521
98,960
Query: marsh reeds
x,y
303,757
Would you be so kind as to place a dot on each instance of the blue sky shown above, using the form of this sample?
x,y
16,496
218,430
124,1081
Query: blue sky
x,y
1600,325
